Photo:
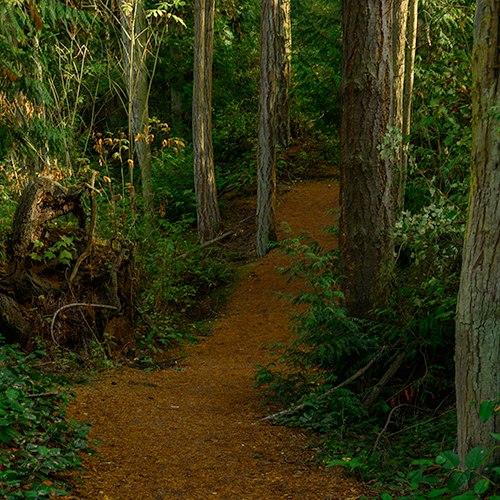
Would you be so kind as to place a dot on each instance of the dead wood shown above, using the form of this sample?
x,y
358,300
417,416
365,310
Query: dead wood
x,y
43,200
327,393
28,292
78,304
93,222
15,322
393,368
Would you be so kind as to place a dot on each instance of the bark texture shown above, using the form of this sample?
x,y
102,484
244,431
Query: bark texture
x,y
207,210
366,210
42,200
176,31
266,158
478,312
400,18
283,54
411,50
135,44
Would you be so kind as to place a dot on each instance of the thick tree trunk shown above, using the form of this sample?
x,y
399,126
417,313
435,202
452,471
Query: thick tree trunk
x,y
207,210
366,211
283,54
400,18
478,316
266,158
135,42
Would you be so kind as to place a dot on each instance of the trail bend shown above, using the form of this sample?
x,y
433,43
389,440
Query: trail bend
x,y
194,433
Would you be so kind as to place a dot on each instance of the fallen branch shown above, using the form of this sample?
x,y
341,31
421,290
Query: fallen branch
x,y
374,394
41,395
327,393
206,244
77,304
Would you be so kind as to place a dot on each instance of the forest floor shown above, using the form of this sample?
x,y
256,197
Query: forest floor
x,y
194,431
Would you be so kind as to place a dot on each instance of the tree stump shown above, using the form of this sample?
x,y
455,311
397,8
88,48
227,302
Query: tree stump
x,y
43,200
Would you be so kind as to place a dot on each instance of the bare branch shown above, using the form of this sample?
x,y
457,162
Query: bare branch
x,y
77,304
327,393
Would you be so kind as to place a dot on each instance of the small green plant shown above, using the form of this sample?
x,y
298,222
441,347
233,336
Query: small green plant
x,y
61,252
445,477
37,439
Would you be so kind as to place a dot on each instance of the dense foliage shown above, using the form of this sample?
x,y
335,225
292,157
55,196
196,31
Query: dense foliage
x,y
38,442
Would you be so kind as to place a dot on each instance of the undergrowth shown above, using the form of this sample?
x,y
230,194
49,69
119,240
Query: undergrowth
x,y
332,374
38,442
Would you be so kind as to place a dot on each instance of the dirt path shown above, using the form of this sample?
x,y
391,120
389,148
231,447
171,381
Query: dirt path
x,y
193,433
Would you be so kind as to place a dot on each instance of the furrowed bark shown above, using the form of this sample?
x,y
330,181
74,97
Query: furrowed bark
x,y
366,209
266,158
477,375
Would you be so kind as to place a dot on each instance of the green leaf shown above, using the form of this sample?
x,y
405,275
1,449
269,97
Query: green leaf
x,y
457,481
65,255
481,486
423,461
496,435
448,459
475,457
436,493
468,495
12,393
386,496
486,410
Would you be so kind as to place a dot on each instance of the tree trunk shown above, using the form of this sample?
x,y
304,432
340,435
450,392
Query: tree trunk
x,y
266,157
283,54
408,94
366,211
207,209
400,18
478,318
176,29
135,42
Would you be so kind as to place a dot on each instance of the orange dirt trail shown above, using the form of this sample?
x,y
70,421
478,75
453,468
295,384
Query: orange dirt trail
x,y
194,433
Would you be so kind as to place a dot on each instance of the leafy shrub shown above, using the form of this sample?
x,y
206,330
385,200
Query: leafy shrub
x,y
38,441
445,477
327,347
177,276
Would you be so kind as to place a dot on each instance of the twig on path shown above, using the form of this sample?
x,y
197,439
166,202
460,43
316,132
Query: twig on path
x,y
77,304
327,393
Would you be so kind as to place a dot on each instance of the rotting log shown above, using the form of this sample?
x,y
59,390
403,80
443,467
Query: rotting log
x,y
42,201
31,291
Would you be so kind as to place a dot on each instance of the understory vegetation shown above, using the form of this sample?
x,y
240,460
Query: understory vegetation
x,y
380,392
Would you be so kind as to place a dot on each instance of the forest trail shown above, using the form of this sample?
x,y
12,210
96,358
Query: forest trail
x,y
193,432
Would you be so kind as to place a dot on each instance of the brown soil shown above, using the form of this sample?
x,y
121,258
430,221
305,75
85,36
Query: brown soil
x,y
194,431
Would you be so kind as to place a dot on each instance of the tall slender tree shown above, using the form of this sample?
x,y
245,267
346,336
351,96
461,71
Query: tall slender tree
x,y
478,318
284,72
135,48
266,157
366,209
398,33
411,50
208,215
